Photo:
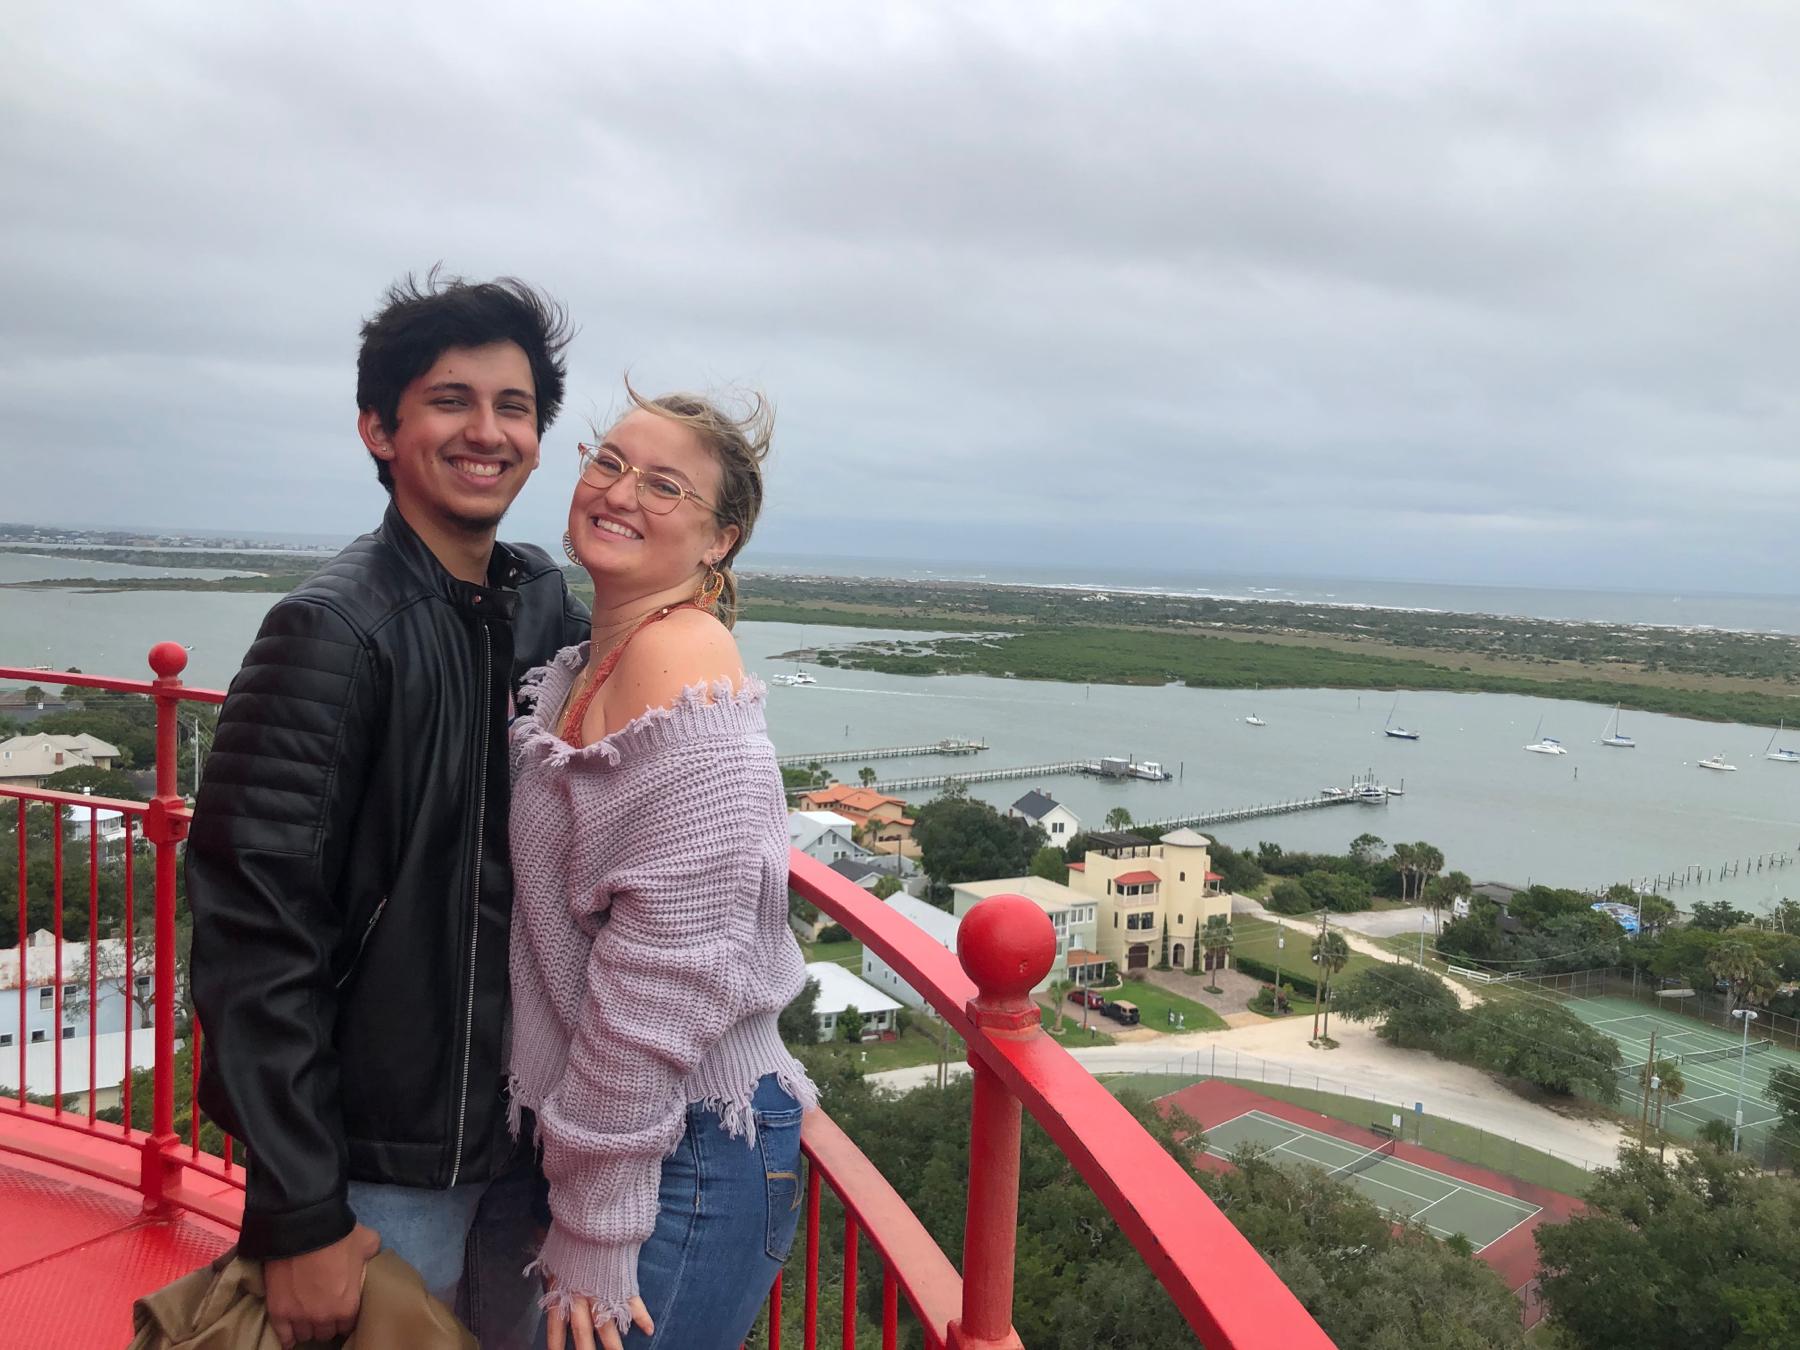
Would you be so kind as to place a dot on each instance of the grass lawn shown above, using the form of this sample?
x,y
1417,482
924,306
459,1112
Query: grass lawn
x,y
1448,1137
1256,938
845,954
1155,1005
918,1044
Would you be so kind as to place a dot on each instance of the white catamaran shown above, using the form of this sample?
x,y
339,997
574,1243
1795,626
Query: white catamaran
x,y
1545,745
1616,738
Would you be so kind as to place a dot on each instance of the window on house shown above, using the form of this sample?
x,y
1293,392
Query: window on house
x,y
1115,918
38,1036
68,1033
143,982
46,997
5,1038
1056,827
1182,875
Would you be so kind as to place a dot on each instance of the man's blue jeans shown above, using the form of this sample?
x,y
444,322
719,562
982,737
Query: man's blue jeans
x,y
471,1244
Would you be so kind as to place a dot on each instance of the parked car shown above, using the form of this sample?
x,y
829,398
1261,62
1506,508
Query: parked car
x,y
1121,1011
1086,998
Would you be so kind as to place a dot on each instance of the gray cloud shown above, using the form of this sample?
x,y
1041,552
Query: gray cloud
x,y
1475,291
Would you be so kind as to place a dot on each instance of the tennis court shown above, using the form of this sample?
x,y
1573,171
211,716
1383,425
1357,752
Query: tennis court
x,y
1709,1062
1442,1203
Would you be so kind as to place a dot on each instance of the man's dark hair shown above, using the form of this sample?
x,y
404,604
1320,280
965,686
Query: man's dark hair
x,y
419,321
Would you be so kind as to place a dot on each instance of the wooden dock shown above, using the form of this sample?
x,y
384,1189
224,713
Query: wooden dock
x,y
951,745
988,775
1225,817
1699,875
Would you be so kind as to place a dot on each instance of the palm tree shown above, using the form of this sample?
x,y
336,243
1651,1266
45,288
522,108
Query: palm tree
x,y
1215,940
866,776
1428,861
1739,965
1405,862
1332,954
1118,819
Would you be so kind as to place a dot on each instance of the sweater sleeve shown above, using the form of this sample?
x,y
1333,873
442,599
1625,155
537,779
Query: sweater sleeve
x,y
685,852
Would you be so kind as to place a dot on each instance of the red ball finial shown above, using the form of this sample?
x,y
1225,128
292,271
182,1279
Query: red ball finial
x,y
1007,945
168,659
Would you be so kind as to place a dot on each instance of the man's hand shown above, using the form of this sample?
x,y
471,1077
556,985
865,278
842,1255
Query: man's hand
x,y
316,1296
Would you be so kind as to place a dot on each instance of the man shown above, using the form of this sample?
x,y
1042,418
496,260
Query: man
x,y
348,867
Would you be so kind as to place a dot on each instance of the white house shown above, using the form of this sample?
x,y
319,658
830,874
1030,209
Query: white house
x,y
937,924
109,1066
1044,811
839,991
107,825
824,836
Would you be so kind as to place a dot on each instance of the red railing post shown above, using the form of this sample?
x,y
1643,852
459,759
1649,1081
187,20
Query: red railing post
x,y
1007,946
165,825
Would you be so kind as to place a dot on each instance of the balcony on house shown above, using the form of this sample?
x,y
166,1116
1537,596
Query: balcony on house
x,y
107,1200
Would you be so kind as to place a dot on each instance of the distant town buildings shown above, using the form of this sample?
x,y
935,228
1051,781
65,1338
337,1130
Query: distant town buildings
x,y
937,924
824,836
42,1031
1072,915
26,760
1058,823
881,821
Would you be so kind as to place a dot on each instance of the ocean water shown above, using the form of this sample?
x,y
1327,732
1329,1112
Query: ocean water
x,y
1591,818
1741,613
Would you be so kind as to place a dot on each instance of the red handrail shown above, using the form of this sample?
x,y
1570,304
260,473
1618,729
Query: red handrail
x,y
1223,1288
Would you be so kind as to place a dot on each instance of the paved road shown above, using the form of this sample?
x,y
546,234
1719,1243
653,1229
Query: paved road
x,y
1362,1063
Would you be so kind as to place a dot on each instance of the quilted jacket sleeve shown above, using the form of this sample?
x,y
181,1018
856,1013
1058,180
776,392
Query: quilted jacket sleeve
x,y
280,794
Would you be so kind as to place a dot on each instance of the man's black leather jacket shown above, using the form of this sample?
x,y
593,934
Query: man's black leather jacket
x,y
348,874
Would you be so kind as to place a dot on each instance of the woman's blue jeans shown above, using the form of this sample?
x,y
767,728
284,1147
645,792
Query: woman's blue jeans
x,y
727,1214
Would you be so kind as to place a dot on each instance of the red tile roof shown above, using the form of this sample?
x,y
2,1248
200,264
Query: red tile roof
x,y
1137,879
1214,876
1078,867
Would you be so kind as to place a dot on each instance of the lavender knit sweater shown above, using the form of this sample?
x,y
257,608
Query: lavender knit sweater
x,y
650,955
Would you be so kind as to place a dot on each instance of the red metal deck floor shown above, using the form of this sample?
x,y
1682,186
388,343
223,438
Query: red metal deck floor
x,y
75,1252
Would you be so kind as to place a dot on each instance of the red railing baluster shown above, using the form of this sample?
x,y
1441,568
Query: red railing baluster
x,y
775,1313
93,1004
849,1280
194,1089
890,1309
811,1330
24,949
131,1006
165,824
56,968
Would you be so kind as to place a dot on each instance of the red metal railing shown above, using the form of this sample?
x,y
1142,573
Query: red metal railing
x,y
1224,1289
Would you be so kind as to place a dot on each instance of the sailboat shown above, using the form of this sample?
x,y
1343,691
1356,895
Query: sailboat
x,y
1782,755
1545,745
1616,738
1717,763
1398,733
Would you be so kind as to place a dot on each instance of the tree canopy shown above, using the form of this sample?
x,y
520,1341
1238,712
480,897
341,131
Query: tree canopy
x,y
965,839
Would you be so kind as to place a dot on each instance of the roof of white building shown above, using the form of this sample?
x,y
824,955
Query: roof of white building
x,y
40,961
42,754
840,989
805,827
1185,838
1048,895
939,925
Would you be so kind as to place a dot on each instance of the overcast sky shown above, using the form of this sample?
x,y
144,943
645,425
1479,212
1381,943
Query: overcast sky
x,y
1501,292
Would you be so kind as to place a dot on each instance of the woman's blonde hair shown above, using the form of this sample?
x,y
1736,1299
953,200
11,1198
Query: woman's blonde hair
x,y
740,443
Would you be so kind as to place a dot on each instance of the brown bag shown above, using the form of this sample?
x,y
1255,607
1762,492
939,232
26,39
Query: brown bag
x,y
220,1307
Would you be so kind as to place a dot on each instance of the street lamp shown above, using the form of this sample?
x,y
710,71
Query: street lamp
x,y
1737,1129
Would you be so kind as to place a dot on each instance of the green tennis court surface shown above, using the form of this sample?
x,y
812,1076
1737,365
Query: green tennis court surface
x,y
1442,1203
1709,1062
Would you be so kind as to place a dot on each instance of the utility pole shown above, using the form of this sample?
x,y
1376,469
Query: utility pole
x,y
1737,1127
1644,1109
1318,986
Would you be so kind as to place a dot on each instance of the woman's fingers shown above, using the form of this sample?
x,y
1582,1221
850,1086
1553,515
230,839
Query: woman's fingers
x,y
581,1322
609,1335
641,1316
556,1328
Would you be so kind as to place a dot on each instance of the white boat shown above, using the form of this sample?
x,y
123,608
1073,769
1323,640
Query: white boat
x,y
1717,763
1616,738
1398,733
798,677
1254,721
1150,770
1781,755
1545,745
1370,794
1336,794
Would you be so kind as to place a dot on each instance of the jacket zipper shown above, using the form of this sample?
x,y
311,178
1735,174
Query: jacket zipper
x,y
368,932
481,758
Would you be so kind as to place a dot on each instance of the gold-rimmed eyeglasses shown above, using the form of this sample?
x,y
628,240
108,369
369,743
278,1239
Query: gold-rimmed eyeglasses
x,y
657,493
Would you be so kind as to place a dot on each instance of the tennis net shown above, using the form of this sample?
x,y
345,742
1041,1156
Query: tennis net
x,y
1363,1163
1726,1052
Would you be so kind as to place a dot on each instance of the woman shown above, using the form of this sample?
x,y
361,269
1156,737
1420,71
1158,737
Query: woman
x,y
650,946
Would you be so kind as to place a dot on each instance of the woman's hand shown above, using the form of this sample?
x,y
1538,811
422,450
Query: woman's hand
x,y
576,1325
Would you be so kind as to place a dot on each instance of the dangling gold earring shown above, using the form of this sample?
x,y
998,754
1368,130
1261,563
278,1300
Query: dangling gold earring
x,y
710,589
569,549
